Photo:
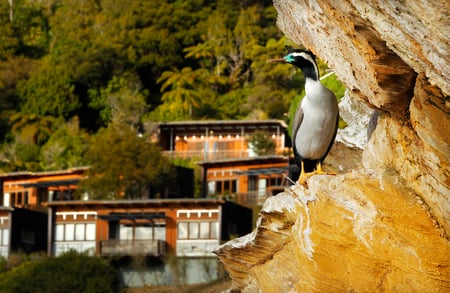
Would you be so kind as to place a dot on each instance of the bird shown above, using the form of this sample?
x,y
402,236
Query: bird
x,y
316,118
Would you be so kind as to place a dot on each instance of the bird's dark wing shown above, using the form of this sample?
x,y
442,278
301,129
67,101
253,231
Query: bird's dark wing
x,y
332,141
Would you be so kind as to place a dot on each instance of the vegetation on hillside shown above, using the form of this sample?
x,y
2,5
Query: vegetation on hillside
x,y
70,71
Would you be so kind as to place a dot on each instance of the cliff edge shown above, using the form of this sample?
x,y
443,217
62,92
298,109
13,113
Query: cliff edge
x,y
383,226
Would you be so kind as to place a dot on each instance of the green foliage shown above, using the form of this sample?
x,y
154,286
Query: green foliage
x,y
124,165
65,148
70,272
261,143
116,64
48,92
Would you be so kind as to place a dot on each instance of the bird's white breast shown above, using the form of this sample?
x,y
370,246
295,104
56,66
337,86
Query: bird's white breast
x,y
317,129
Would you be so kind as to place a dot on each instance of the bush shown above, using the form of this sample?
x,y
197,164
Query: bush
x,y
70,272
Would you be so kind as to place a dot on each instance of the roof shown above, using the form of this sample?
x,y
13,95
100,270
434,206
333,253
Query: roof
x,y
218,123
136,202
43,173
48,183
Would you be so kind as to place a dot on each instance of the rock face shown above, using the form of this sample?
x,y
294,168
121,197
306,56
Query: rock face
x,y
385,225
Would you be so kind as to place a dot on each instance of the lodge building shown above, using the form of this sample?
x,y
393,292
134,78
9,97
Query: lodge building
x,y
38,210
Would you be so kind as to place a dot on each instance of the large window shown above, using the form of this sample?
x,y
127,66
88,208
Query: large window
x,y
198,230
227,186
75,232
137,231
18,198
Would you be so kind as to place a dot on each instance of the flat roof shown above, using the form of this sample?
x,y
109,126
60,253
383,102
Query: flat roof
x,y
191,123
43,173
135,202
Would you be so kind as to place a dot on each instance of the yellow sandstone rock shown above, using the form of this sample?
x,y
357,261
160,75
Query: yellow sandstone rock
x,y
383,226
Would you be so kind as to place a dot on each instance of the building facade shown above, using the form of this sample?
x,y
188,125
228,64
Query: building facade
x,y
153,227
219,139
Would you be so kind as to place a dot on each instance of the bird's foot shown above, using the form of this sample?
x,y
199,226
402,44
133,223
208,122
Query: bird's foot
x,y
321,172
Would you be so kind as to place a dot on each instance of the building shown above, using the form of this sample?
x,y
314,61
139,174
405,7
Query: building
x,y
33,189
22,230
230,167
219,139
246,181
189,229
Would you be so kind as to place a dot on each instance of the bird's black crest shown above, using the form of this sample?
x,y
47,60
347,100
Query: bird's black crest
x,y
291,49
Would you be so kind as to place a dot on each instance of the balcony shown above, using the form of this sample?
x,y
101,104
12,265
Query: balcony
x,y
133,247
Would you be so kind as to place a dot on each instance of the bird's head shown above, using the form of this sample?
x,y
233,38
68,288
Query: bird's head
x,y
305,60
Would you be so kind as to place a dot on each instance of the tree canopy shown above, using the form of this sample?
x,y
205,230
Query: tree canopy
x,y
71,69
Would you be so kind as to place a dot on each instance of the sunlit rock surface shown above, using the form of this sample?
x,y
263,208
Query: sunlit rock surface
x,y
342,234
381,224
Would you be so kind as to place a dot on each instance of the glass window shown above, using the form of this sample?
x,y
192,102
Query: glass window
x,y
69,232
5,236
215,230
90,231
182,230
204,230
59,232
6,199
143,233
79,232
211,187
125,232
193,230
160,232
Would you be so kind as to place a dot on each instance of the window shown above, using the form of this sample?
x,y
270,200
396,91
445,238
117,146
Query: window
x,y
79,232
204,230
69,232
4,236
75,232
193,230
198,230
222,187
182,230
214,230
59,232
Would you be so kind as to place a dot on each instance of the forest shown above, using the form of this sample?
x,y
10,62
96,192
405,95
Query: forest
x,y
78,75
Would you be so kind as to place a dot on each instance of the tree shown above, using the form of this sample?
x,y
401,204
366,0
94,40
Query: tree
x,y
261,143
65,148
124,165
183,95
122,102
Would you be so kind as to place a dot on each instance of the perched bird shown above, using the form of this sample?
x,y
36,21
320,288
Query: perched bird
x,y
316,118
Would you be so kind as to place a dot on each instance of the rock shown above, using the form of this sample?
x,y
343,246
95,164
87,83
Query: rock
x,y
383,223
357,115
341,235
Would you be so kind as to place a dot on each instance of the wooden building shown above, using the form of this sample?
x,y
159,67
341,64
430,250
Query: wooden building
x,y
32,189
247,181
22,230
153,227
229,165
219,139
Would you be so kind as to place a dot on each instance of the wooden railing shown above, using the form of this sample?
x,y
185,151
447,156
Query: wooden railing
x,y
133,247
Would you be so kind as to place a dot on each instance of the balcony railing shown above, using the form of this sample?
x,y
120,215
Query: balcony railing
x,y
209,155
133,247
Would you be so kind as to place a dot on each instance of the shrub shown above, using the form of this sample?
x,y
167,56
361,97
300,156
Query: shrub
x,y
70,272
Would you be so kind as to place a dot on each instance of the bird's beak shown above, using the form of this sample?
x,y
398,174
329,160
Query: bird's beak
x,y
276,60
